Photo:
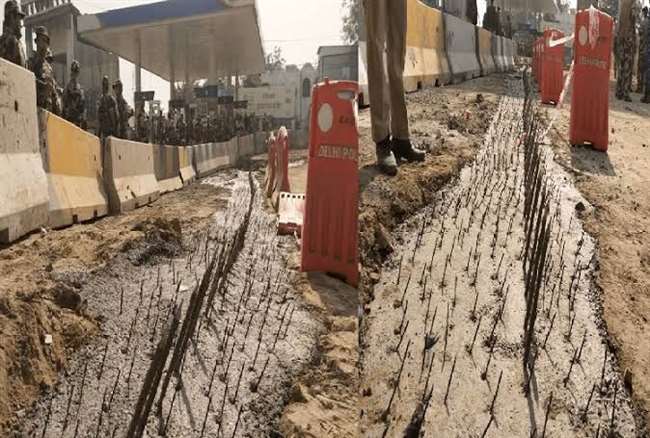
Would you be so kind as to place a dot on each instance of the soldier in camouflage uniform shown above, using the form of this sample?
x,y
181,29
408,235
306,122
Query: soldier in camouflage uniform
x,y
643,42
107,112
646,73
10,47
626,41
46,88
123,110
74,103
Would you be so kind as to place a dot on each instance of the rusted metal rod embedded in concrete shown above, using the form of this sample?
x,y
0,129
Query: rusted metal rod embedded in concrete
x,y
451,375
255,384
585,411
205,418
548,411
384,415
485,431
568,375
549,330
496,392
470,347
234,396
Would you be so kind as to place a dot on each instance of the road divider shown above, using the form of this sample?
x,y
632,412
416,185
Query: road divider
x,y
484,51
426,61
460,45
167,168
186,158
129,174
72,160
23,184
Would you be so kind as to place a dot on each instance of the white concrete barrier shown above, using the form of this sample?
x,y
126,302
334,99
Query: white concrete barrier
x,y
210,157
260,142
186,158
246,145
460,45
72,160
484,51
129,174
167,167
23,184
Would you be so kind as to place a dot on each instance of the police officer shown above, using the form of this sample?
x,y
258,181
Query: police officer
x,y
74,103
626,40
107,112
643,42
10,47
46,88
386,30
123,110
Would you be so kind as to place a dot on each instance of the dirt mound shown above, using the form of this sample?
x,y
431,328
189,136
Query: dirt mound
x,y
324,400
43,318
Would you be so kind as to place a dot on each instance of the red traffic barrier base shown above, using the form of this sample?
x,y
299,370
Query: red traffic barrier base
x,y
281,183
330,229
592,62
552,68
291,210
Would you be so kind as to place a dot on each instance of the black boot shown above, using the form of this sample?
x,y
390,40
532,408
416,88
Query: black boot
x,y
385,158
404,149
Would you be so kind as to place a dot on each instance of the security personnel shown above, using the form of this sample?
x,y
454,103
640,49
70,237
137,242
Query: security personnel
x,y
643,42
74,103
46,88
386,29
107,112
10,47
646,97
490,18
123,110
626,39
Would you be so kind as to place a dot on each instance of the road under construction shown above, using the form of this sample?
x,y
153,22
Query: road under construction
x,y
498,288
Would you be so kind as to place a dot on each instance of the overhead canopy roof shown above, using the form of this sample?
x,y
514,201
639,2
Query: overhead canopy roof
x,y
176,35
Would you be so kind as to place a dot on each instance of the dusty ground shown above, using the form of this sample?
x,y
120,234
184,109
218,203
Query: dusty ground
x,y
616,184
324,399
449,122
40,291
419,329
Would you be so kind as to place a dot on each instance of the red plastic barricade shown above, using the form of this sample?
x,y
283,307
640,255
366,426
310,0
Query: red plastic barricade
x,y
592,62
269,182
281,183
552,67
330,228
536,59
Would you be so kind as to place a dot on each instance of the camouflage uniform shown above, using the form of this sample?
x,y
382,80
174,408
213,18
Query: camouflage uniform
x,y
10,48
643,43
46,88
626,41
74,102
107,112
123,111
646,31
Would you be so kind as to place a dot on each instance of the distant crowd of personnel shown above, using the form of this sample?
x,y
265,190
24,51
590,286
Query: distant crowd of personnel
x,y
113,111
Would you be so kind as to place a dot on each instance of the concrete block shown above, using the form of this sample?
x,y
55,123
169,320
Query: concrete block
x,y
23,185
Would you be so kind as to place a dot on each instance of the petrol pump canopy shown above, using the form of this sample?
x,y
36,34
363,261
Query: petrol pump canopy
x,y
201,37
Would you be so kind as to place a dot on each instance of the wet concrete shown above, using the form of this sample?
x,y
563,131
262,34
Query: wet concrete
x,y
238,367
447,317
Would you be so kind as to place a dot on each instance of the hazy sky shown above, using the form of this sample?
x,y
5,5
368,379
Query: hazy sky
x,y
299,27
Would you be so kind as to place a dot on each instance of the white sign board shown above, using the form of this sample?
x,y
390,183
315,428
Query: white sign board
x,y
279,102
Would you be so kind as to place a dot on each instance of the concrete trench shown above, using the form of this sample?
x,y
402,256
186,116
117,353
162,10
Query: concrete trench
x,y
458,275
238,369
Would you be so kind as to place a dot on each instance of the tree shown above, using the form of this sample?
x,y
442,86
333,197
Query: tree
x,y
274,60
352,21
